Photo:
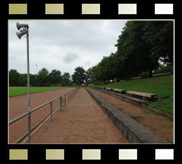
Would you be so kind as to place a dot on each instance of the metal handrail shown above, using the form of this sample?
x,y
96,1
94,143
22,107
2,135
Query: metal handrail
x,y
18,118
70,94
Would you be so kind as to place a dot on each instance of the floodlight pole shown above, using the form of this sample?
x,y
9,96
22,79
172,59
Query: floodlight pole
x,y
22,32
28,85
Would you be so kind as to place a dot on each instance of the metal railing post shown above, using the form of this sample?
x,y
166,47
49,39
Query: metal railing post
x,y
29,127
60,103
51,110
65,100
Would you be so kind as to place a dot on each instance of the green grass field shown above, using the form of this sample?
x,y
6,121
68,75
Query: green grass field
x,y
16,91
162,86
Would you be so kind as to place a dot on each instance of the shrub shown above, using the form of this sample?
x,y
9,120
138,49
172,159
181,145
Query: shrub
x,y
164,69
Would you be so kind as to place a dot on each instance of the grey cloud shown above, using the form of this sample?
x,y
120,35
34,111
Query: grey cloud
x,y
87,63
70,57
55,44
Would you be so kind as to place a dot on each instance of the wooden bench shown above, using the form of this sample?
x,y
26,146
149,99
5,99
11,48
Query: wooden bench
x,y
161,74
145,96
135,78
109,89
119,90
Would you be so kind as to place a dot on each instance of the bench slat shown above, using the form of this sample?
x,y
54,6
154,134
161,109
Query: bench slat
x,y
120,90
109,89
150,95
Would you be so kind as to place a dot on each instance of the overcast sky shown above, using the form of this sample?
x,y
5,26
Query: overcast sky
x,y
63,44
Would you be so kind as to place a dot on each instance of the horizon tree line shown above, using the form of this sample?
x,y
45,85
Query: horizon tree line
x,y
44,78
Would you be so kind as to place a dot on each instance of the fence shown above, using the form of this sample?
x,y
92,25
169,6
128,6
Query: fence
x,y
62,102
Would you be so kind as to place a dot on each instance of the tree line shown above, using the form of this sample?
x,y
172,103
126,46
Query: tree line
x,y
143,47
44,78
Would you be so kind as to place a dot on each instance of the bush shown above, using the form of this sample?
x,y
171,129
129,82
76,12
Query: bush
x,y
144,74
164,69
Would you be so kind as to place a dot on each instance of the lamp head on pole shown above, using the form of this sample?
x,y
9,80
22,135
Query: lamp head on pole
x,y
19,26
23,31
20,34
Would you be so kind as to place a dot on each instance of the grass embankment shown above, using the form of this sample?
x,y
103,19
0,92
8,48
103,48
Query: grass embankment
x,y
162,86
16,91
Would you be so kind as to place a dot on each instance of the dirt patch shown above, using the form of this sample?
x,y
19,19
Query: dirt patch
x,y
159,124
138,118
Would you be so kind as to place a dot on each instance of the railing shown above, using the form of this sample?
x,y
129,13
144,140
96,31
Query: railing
x,y
63,98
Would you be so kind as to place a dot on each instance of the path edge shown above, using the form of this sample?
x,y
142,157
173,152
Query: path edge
x,y
143,105
132,130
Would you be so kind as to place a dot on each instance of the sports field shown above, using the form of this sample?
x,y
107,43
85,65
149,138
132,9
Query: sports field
x,y
16,91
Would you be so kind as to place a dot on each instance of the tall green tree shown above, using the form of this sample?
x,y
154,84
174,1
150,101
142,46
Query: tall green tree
x,y
102,69
159,34
134,51
66,79
55,76
14,77
79,75
90,75
23,79
108,68
33,80
43,78
140,46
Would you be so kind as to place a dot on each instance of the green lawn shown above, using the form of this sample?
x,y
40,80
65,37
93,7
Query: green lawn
x,y
15,91
162,86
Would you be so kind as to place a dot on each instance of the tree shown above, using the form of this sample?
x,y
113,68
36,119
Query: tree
x,y
66,79
79,75
113,69
159,34
90,75
14,77
108,69
33,80
103,69
55,77
23,79
43,77
135,51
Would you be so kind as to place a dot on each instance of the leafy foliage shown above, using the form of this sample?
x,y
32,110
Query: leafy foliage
x,y
66,79
79,75
55,76
140,47
43,77
13,77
